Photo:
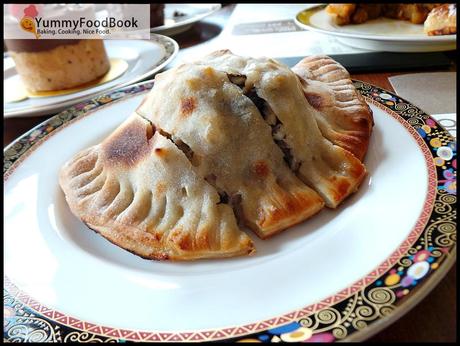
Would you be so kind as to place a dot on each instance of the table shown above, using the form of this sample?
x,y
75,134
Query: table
x,y
433,319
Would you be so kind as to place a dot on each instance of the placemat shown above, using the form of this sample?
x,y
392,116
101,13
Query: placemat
x,y
434,92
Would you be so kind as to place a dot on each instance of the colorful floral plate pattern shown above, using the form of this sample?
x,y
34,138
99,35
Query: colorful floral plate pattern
x,y
352,314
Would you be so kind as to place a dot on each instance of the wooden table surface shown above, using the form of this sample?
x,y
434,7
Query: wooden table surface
x,y
432,320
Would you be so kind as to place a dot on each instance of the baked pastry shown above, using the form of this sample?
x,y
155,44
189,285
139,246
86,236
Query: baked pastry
x,y
276,91
343,14
414,13
341,112
230,145
138,190
46,65
223,140
442,20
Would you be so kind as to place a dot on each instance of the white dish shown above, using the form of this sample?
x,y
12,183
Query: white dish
x,y
144,58
192,13
382,34
69,276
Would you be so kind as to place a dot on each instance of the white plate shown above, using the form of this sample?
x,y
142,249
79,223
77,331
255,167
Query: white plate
x,y
144,58
339,275
382,34
177,24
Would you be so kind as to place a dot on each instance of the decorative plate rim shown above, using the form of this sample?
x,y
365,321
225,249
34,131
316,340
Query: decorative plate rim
x,y
363,36
369,292
171,49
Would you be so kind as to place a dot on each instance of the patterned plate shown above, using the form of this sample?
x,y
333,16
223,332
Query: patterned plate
x,y
355,307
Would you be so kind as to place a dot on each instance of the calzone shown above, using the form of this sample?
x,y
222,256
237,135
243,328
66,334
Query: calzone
x,y
329,169
219,144
341,112
208,115
138,190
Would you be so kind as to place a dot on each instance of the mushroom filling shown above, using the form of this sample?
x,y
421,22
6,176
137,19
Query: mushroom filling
x,y
278,132
234,200
237,79
211,180
182,146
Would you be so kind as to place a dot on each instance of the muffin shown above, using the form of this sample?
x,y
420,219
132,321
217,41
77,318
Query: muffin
x,y
54,64
47,65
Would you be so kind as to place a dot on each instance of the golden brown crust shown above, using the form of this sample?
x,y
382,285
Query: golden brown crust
x,y
449,30
234,145
226,132
187,105
238,95
140,192
442,20
341,13
292,209
414,13
343,116
129,145
344,187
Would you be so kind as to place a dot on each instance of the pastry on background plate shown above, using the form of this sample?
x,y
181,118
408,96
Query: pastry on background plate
x,y
343,14
438,19
442,20
220,143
